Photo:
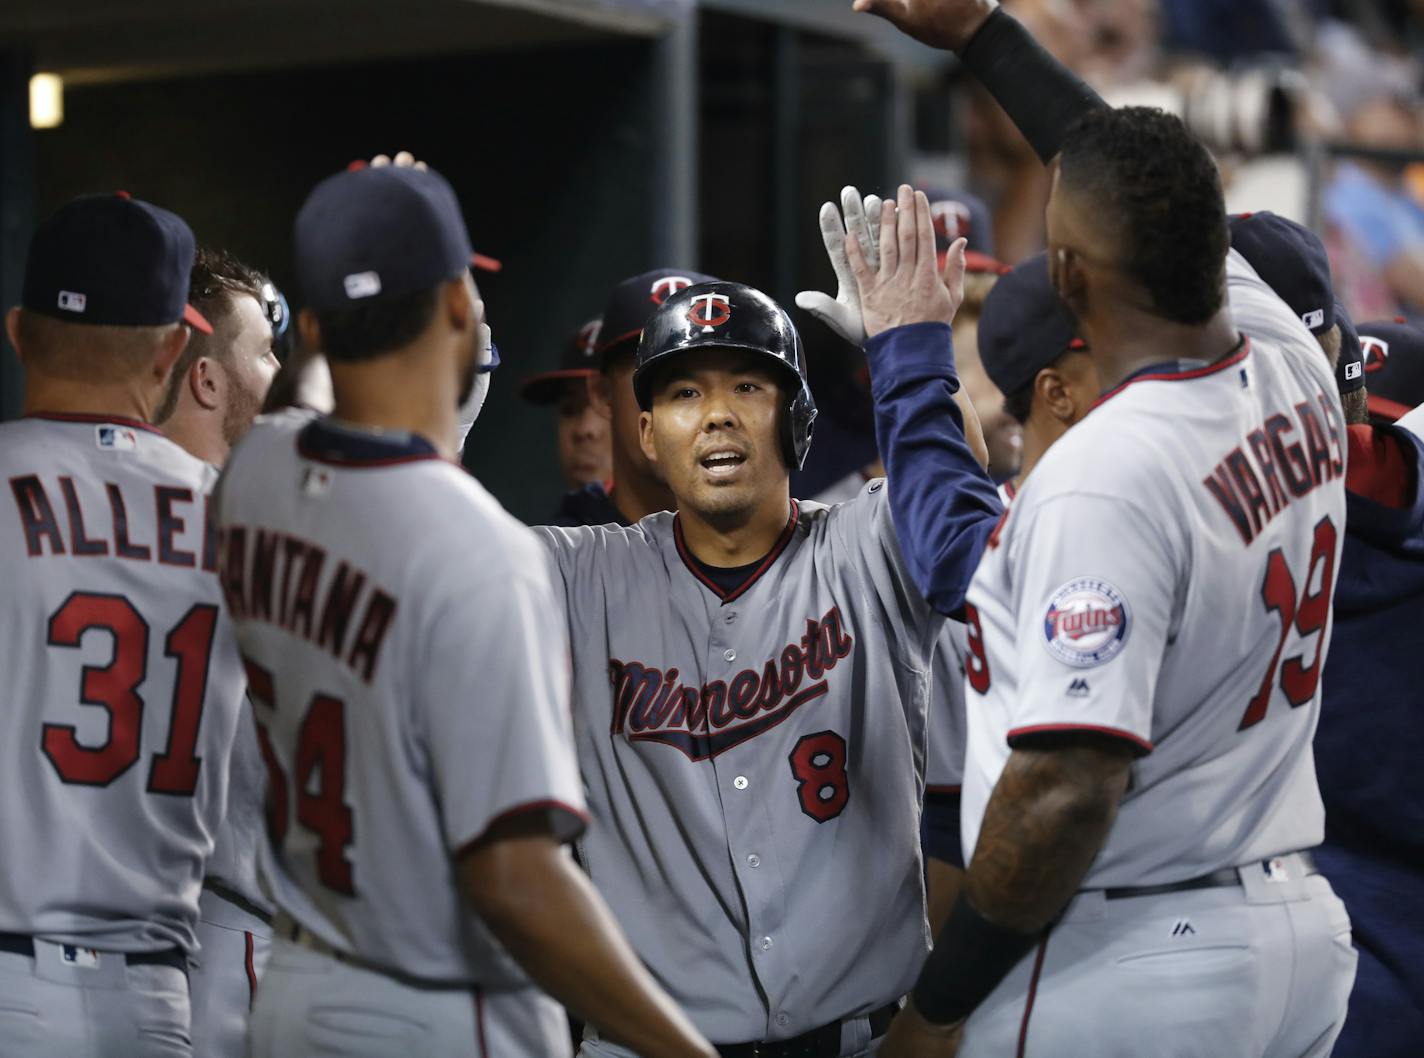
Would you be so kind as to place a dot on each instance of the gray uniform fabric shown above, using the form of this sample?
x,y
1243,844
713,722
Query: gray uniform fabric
x,y
754,763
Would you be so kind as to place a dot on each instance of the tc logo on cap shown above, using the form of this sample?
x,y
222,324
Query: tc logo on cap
x,y
362,285
1375,352
666,287
710,310
951,219
69,301
587,339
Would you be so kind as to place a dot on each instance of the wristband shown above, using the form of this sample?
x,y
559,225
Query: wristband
x,y
971,956
1041,96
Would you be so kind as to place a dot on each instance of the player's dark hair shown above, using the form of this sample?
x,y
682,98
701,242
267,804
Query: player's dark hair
x,y
1162,192
373,328
1019,403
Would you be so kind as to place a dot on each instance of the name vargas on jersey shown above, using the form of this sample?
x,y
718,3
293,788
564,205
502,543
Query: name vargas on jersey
x,y
650,705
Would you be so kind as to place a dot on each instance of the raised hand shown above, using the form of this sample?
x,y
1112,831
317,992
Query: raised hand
x,y
854,220
907,286
947,24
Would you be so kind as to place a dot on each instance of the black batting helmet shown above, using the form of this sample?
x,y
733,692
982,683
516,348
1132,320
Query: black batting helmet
x,y
722,315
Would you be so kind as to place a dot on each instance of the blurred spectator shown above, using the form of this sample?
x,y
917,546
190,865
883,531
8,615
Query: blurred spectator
x,y
585,449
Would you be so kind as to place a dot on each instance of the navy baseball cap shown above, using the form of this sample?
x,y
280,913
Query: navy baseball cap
x,y
1394,366
1350,369
378,233
112,259
1024,326
960,215
1292,261
632,304
578,361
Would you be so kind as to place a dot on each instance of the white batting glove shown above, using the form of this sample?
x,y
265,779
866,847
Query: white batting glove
x,y
858,219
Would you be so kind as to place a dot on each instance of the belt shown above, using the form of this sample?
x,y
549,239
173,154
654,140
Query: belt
x,y
23,944
1222,879
232,896
300,935
824,1042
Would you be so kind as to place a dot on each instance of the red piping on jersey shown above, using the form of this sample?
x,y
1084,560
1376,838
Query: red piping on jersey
x,y
524,809
1115,732
1010,489
480,1023
1032,994
251,974
1231,360
754,575
115,420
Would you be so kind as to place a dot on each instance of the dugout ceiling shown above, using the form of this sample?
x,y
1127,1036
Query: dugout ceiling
x,y
100,40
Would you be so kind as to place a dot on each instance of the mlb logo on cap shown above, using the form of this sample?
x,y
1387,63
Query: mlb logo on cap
x,y
69,301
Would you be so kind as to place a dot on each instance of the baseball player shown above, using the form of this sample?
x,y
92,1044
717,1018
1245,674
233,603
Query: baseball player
x,y
223,379
122,685
637,488
1122,611
749,700
1373,817
410,704
584,449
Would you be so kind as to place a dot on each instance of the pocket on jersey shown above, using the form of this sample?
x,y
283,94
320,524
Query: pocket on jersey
x,y
328,1025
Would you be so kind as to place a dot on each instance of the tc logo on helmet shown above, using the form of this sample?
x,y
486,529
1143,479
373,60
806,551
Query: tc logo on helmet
x,y
666,287
710,310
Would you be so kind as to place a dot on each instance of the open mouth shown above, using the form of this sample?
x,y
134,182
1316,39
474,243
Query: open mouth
x,y
723,463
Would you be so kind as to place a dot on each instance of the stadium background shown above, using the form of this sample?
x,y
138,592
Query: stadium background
x,y
592,139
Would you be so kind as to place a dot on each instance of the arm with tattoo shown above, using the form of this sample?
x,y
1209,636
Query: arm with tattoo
x,y
1045,823
1046,820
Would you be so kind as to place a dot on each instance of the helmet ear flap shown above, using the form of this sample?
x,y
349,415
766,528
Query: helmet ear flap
x,y
800,425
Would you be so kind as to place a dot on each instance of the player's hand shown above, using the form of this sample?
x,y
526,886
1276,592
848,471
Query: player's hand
x,y
856,219
907,287
911,1036
947,24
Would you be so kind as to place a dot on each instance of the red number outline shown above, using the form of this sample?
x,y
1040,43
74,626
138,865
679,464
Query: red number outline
x,y
812,778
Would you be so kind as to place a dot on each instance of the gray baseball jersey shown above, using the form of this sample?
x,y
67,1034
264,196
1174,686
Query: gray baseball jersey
x,y
1165,575
409,670
752,758
122,685
944,760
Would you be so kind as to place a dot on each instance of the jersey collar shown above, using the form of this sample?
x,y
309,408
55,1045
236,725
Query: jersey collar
x,y
753,576
1179,370
342,445
111,420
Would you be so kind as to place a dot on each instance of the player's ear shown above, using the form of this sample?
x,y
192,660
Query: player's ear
x,y
12,330
1050,390
464,310
645,436
206,381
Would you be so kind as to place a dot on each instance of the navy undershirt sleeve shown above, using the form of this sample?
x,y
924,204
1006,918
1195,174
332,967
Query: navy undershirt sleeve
x,y
943,503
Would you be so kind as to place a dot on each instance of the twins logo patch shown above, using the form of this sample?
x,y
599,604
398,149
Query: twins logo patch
x,y
1087,622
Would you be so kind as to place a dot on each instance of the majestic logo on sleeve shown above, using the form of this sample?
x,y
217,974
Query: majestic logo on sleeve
x,y
652,705
1087,622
